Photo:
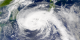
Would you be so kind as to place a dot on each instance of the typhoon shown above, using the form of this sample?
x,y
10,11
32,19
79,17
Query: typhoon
x,y
28,20
43,24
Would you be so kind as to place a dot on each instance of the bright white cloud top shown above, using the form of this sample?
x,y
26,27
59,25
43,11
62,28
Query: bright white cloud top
x,y
36,19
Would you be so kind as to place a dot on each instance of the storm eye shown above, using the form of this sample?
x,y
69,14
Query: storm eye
x,y
35,21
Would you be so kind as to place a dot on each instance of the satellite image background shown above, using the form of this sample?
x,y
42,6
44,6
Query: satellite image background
x,y
39,20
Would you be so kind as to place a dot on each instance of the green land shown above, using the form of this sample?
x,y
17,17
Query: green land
x,y
5,2
52,4
13,14
0,12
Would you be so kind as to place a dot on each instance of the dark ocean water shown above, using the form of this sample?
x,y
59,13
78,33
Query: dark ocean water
x,y
59,3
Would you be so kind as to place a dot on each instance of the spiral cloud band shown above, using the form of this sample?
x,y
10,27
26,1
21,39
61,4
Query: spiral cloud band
x,y
41,20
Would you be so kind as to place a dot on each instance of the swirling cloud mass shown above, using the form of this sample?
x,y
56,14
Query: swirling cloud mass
x,y
40,22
